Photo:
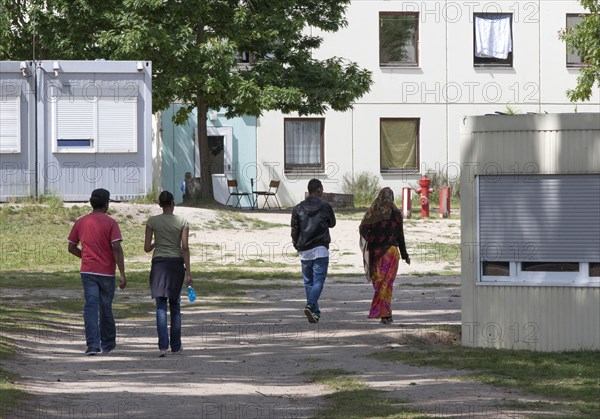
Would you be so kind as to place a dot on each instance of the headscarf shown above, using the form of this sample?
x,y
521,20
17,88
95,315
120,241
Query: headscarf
x,y
381,208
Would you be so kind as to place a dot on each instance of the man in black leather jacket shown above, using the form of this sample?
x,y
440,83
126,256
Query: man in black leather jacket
x,y
311,221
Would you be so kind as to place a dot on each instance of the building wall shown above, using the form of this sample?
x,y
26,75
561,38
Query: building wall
x,y
443,89
546,318
16,168
179,152
43,169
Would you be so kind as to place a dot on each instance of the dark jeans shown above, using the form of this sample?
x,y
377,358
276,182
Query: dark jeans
x,y
161,323
100,329
314,273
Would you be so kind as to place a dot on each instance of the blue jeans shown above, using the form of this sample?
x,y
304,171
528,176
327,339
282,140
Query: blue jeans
x,y
100,329
161,323
314,273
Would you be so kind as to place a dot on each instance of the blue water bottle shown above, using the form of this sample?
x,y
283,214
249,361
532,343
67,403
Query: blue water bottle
x,y
191,294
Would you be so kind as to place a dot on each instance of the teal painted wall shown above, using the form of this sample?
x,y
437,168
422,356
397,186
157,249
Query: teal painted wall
x,y
179,145
244,149
178,151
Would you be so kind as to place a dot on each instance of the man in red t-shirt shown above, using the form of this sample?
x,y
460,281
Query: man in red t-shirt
x,y
100,240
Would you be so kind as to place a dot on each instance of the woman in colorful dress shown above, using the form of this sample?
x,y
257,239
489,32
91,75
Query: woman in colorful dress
x,y
381,228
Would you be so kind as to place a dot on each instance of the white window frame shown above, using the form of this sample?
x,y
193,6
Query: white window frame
x,y
6,102
518,277
97,132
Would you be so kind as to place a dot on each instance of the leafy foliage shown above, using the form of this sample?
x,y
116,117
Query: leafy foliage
x,y
60,29
194,47
439,179
364,187
584,39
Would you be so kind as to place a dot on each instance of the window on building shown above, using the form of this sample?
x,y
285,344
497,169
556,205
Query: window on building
x,y
550,267
574,58
528,234
399,144
94,125
496,268
304,143
216,153
245,57
492,40
10,124
398,39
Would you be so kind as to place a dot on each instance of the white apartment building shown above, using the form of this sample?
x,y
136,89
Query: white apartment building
x,y
433,64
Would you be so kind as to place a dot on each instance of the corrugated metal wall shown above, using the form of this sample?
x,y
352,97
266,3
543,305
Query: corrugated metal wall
x,y
17,174
39,168
545,318
533,317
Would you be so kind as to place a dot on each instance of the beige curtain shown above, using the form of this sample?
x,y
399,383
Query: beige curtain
x,y
399,140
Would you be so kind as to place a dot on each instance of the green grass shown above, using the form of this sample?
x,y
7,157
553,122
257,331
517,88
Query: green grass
x,y
150,198
213,282
50,223
10,393
435,252
228,220
573,377
431,285
435,273
353,399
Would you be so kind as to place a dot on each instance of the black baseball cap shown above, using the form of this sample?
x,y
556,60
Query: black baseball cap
x,y
101,195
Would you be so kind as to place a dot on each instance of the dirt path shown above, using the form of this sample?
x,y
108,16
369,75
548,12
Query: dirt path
x,y
247,360
250,359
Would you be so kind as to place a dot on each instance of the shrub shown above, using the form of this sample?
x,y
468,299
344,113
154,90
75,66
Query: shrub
x,y
364,187
150,198
440,179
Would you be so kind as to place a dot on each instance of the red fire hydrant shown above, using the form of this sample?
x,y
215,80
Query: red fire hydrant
x,y
424,190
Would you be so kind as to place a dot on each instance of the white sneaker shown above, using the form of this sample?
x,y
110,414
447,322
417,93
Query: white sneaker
x,y
163,354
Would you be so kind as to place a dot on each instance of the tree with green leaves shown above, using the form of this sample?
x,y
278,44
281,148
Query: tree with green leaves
x,y
194,47
584,39
60,29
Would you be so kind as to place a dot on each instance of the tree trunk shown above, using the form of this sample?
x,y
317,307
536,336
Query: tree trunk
x,y
206,190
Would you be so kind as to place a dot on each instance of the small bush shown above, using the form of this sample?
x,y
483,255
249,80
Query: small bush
x,y
441,179
364,187
150,198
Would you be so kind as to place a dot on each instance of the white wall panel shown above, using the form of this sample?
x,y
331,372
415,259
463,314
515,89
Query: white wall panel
x,y
550,318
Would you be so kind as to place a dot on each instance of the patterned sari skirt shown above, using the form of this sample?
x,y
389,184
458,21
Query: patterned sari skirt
x,y
383,273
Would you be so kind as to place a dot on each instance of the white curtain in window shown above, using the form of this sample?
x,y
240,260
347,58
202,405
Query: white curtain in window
x,y
303,142
493,38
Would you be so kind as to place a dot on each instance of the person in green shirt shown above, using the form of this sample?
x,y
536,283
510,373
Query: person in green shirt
x,y
170,266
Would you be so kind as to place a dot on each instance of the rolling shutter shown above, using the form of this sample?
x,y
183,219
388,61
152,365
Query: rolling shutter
x,y
551,218
117,125
75,119
10,124
110,124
